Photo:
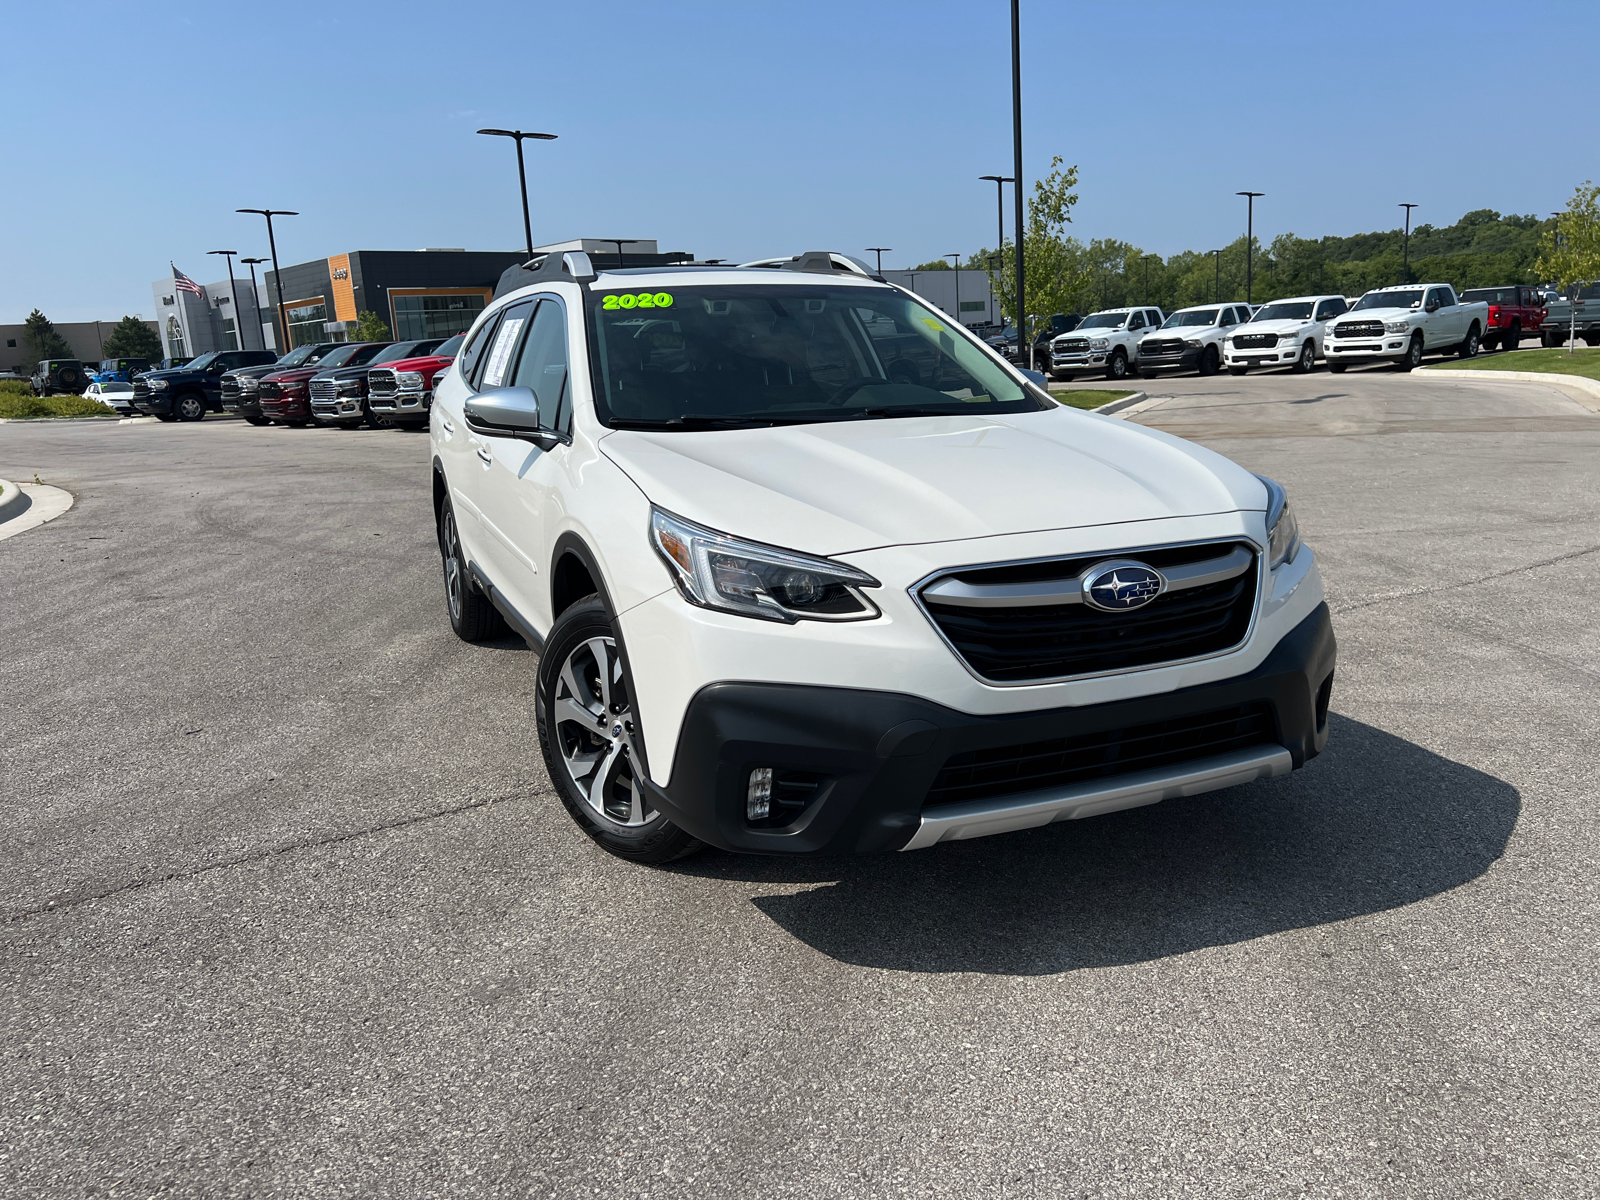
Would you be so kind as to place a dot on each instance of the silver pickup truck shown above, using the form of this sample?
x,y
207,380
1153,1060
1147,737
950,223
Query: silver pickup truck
x,y
1566,318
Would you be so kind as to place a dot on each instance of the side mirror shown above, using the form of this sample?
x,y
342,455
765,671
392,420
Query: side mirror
x,y
216,368
1036,378
508,412
1431,306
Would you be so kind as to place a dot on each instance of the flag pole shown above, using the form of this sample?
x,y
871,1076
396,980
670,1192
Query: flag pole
x,y
183,319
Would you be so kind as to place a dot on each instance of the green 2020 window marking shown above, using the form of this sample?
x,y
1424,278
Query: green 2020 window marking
x,y
637,300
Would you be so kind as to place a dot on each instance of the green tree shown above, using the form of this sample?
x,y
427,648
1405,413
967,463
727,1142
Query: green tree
x,y
1569,254
132,338
1053,262
369,328
42,340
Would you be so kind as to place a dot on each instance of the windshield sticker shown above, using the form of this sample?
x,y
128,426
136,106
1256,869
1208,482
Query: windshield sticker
x,y
637,300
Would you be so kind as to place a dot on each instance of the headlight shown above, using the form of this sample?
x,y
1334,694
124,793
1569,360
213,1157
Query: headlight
x,y
247,384
408,379
158,385
1099,343
350,385
1397,326
1283,532
1192,343
714,570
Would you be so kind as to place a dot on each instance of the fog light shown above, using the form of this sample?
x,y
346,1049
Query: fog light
x,y
758,798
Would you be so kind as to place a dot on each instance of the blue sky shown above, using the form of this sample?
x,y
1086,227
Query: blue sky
x,y
740,130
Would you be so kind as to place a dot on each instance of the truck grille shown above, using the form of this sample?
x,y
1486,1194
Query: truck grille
x,y
1072,345
141,390
381,383
324,389
1026,644
1254,341
230,389
1161,346
1076,758
268,390
1350,329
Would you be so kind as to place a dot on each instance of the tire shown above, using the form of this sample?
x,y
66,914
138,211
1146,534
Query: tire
x,y
1337,368
586,731
1550,341
256,419
1469,348
1210,361
1413,356
1512,338
1117,365
472,616
189,406
165,417
1591,339
1307,362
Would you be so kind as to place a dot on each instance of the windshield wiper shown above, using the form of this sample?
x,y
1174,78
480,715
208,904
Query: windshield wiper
x,y
703,420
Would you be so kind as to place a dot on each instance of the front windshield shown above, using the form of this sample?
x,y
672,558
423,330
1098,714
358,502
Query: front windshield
x,y
451,348
403,350
296,356
1298,311
1109,320
1193,316
762,354
1409,298
341,355
115,386
194,364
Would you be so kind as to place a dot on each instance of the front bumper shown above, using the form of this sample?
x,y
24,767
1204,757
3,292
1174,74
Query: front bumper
x,y
245,404
1187,359
1390,346
1085,361
156,404
401,404
342,408
876,754
1283,354
287,408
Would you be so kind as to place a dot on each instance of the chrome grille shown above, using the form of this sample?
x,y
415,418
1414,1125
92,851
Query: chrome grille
x,y
1072,345
230,388
324,389
141,389
1161,346
381,383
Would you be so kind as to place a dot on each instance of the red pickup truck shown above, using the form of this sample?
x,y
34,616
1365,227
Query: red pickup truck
x,y
1515,311
402,392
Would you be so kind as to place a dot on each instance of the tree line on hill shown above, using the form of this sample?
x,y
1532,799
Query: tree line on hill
x,y
1065,274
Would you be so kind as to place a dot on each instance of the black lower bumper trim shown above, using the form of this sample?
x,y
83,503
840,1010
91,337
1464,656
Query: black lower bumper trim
x,y
878,754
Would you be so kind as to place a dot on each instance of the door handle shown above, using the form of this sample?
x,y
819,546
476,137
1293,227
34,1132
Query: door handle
x,y
444,423
488,459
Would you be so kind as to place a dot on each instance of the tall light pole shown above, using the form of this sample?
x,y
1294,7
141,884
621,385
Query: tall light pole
x,y
233,291
255,299
956,258
1249,241
1147,258
999,182
272,246
1016,168
522,174
1405,254
1216,290
880,251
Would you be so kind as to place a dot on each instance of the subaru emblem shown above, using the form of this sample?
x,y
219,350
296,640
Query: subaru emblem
x,y
1121,586
616,730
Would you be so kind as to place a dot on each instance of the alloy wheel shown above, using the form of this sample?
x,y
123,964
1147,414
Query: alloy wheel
x,y
452,566
593,719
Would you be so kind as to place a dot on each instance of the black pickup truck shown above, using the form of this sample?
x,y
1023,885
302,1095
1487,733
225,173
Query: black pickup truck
x,y
188,392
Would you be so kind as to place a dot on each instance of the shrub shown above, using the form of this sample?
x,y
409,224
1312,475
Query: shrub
x,y
17,401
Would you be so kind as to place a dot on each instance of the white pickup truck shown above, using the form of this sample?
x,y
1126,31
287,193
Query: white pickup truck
x,y
1401,324
1104,341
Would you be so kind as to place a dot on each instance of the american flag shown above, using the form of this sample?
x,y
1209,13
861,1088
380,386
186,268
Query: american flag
x,y
183,283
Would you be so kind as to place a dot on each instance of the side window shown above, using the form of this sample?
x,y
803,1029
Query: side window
x,y
1136,320
1152,317
496,370
472,355
1230,316
1447,296
543,365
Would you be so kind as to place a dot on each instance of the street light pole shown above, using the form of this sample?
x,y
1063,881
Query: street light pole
x,y
956,258
1249,242
880,251
1405,254
522,175
1016,169
255,300
233,291
1216,289
272,246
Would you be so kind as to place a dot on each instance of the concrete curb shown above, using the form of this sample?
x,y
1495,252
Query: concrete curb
x,y
13,500
1116,406
45,503
1588,390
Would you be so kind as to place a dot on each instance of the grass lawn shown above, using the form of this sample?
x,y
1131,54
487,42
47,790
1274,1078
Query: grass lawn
x,y
1554,362
1089,397
16,400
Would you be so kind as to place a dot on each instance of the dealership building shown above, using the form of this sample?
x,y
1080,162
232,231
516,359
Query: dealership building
x,y
416,293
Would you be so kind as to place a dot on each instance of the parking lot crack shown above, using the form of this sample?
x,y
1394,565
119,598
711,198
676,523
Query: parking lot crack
x,y
1409,593
261,855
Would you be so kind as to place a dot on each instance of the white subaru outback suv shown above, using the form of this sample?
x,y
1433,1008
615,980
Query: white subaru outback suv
x,y
811,569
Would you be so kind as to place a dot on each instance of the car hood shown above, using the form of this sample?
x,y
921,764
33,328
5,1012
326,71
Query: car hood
x,y
359,372
428,362
171,373
256,372
1377,314
294,374
1284,326
831,488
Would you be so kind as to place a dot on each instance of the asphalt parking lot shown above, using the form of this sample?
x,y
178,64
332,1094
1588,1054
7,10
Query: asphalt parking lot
x,y
288,907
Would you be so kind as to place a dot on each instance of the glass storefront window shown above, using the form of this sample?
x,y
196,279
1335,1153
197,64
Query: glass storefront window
x,y
434,316
230,337
175,348
308,323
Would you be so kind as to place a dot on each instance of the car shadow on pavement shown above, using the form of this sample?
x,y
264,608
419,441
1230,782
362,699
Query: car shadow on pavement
x,y
1374,823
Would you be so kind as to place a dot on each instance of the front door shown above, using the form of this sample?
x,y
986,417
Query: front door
x,y
521,486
